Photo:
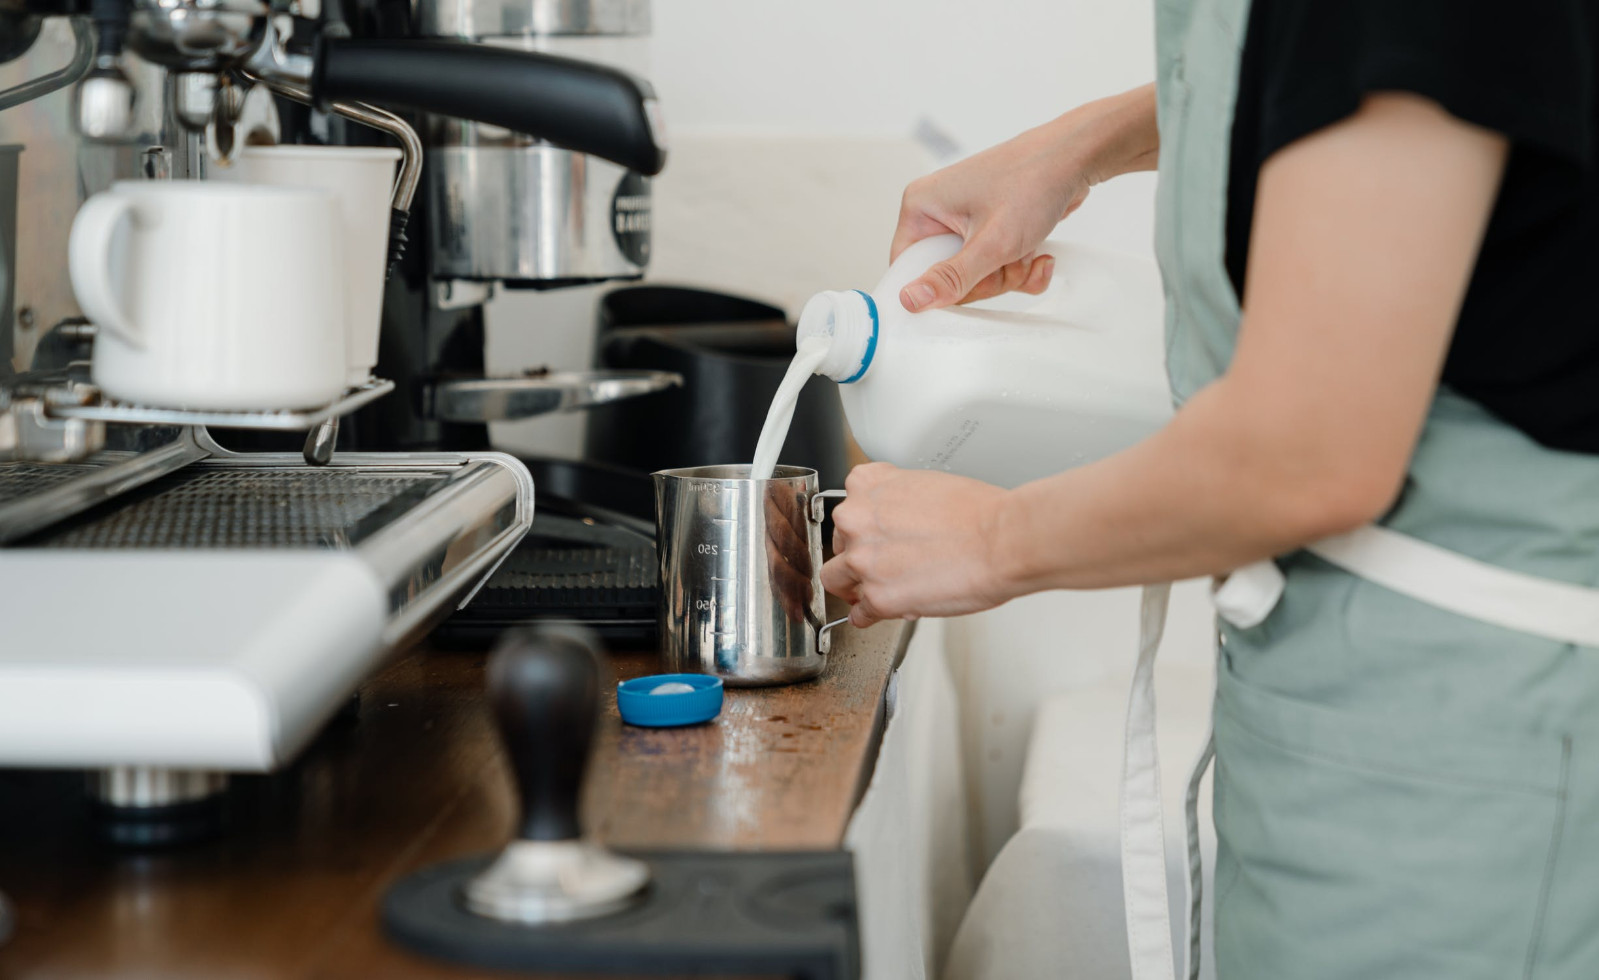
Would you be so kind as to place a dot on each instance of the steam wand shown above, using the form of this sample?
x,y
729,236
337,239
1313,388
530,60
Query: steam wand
x,y
320,442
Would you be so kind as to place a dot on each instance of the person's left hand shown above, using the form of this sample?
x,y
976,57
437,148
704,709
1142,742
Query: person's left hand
x,y
911,543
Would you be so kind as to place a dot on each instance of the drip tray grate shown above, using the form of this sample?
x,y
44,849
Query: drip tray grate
x,y
291,507
24,479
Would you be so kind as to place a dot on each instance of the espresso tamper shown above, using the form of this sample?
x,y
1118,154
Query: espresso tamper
x,y
544,688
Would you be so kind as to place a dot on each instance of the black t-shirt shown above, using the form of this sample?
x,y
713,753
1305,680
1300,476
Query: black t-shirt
x,y
1526,346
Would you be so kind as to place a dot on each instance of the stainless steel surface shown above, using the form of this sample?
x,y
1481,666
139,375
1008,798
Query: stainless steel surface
x,y
82,57
494,399
431,526
194,98
197,35
298,420
34,496
272,61
741,562
103,103
320,442
146,786
538,882
503,207
29,432
491,18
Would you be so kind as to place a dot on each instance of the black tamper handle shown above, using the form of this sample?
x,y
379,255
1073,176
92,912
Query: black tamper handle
x,y
578,105
544,686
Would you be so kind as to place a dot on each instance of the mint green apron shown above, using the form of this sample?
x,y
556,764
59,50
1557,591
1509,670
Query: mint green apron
x,y
1400,791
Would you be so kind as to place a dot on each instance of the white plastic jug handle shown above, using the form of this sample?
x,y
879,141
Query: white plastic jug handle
x,y
89,263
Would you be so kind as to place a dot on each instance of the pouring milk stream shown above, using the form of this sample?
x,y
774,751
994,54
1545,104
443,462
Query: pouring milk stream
x,y
1006,391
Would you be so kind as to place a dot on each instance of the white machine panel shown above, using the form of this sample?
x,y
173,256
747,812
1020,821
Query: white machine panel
x,y
215,660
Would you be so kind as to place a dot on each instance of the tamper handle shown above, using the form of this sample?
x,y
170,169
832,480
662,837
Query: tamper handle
x,y
544,685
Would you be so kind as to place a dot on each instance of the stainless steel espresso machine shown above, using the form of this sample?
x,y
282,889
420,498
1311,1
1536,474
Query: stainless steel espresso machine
x,y
187,594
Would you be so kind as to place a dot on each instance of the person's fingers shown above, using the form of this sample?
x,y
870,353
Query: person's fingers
x,y
839,579
1039,273
862,478
948,282
1007,278
915,223
861,615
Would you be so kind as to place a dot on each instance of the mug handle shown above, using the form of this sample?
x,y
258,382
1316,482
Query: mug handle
x,y
89,263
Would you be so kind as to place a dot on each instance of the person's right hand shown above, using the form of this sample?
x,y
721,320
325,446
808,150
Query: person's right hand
x,y
1003,202
1006,200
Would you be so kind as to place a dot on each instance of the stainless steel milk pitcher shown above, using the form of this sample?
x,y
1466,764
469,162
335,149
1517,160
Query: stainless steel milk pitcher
x,y
741,573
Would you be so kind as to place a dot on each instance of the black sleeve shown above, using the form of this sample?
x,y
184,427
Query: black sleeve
x,y
1522,68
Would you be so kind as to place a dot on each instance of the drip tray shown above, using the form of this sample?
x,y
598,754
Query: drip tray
x,y
298,507
578,565
217,616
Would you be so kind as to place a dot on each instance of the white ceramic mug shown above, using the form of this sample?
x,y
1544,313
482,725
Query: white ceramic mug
x,y
362,178
212,296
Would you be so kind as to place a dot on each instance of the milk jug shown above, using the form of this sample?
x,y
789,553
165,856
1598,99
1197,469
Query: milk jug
x,y
1007,390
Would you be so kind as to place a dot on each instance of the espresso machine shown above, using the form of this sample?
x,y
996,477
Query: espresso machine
x,y
188,594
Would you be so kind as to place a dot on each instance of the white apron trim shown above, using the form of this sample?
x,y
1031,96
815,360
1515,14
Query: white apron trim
x,y
1425,572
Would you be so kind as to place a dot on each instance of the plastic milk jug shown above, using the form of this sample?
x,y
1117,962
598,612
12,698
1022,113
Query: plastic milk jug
x,y
1008,390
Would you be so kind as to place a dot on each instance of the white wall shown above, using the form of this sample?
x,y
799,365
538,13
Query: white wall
x,y
794,129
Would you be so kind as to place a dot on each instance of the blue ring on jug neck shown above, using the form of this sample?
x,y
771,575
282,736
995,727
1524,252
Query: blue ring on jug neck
x,y
871,342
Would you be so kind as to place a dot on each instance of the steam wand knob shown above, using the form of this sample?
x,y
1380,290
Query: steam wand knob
x,y
544,687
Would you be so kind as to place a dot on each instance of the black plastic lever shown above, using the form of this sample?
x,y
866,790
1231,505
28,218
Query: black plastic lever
x,y
544,684
574,104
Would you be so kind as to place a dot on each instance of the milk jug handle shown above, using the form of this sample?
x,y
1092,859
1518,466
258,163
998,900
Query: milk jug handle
x,y
819,501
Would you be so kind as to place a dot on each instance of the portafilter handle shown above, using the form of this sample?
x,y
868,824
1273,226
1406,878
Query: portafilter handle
x,y
577,105
544,687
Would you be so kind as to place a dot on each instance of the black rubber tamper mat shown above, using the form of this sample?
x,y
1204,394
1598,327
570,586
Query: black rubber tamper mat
x,y
706,914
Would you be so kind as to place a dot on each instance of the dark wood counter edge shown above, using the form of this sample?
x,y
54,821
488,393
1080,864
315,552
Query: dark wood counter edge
x,y
417,780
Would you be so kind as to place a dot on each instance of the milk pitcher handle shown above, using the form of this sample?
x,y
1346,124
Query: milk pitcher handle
x,y
818,509
819,503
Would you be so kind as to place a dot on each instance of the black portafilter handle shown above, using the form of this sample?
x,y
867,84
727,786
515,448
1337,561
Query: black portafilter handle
x,y
574,104
544,686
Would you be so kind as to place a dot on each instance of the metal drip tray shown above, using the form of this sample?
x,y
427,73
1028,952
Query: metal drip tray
x,y
216,616
297,507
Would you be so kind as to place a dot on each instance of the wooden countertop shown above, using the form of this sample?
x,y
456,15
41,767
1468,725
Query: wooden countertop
x,y
416,777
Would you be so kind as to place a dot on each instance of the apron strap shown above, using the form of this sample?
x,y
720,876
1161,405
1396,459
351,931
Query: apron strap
x,y
1196,864
1558,611
1143,831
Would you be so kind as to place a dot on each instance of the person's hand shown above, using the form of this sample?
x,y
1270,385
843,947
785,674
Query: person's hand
x,y
911,543
1005,201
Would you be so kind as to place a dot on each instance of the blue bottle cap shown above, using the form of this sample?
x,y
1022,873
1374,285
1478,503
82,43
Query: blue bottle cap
x,y
661,701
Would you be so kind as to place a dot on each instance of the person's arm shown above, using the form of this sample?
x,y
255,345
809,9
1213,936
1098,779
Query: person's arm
x,y
1365,236
1005,200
